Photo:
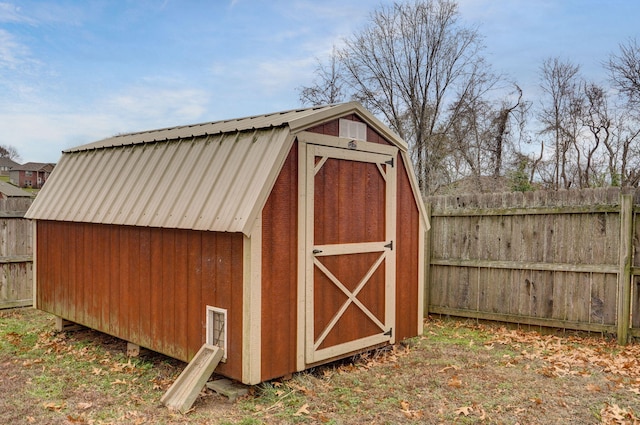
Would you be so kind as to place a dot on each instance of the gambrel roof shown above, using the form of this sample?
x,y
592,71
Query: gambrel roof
x,y
213,176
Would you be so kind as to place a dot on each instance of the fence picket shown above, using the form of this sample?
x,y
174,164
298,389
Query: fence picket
x,y
16,254
561,259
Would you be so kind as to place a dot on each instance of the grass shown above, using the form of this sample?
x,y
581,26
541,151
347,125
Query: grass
x,y
458,372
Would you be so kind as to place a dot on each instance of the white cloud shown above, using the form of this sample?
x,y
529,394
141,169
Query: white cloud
x,y
41,137
280,75
41,132
20,73
12,13
157,106
12,52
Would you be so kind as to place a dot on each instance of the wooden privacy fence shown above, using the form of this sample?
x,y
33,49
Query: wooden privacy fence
x,y
16,254
566,259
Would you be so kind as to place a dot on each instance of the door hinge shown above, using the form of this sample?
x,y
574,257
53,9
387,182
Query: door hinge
x,y
389,245
317,251
389,162
389,333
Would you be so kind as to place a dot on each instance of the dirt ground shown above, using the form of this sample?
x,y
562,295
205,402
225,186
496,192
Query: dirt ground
x,y
458,372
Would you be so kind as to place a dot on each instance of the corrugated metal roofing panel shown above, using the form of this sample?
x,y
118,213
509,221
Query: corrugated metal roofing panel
x,y
203,183
256,122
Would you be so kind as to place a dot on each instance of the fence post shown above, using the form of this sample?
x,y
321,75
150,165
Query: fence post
x,y
427,264
624,270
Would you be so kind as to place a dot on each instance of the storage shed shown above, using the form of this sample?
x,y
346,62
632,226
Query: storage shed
x,y
290,239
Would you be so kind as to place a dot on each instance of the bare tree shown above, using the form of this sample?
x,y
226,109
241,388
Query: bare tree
x,y
8,151
623,144
327,88
411,63
596,119
559,80
501,129
468,138
623,151
624,69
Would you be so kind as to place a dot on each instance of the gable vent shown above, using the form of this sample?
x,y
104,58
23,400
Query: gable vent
x,y
353,130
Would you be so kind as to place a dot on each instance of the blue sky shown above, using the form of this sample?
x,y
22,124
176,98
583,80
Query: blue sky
x,y
72,72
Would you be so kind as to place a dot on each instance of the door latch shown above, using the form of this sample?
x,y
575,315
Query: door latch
x,y
316,251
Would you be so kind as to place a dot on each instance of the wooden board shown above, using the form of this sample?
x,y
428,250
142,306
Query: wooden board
x,y
350,232
183,392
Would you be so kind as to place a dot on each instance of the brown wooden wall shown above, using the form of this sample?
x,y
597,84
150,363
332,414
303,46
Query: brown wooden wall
x,y
407,258
149,286
280,273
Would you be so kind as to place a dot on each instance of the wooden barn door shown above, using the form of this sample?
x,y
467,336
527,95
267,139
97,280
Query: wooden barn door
x,y
350,257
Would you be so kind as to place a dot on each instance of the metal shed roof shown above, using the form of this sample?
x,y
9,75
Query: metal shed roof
x,y
296,120
213,176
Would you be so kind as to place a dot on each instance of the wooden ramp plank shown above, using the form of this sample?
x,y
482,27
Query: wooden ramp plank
x,y
184,391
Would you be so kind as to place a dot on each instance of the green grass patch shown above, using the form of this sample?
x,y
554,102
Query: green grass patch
x,y
457,372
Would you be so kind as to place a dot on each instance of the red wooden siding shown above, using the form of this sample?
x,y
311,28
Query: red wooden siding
x,y
406,258
354,191
279,273
354,323
332,128
349,208
149,286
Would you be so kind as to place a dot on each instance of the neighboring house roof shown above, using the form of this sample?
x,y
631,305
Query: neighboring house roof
x,y
34,166
11,191
214,176
8,162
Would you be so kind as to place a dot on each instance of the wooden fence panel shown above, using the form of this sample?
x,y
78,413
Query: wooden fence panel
x,y
635,302
540,258
16,254
635,270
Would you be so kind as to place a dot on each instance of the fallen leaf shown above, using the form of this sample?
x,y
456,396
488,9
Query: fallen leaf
x,y
614,414
303,410
454,367
454,382
56,407
464,410
324,419
84,406
593,388
483,414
